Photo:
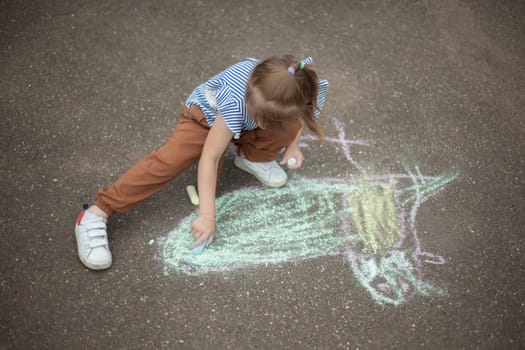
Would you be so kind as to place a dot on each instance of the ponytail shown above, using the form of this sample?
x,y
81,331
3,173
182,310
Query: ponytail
x,y
306,77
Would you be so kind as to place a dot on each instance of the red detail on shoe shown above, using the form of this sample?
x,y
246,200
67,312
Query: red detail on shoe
x,y
80,216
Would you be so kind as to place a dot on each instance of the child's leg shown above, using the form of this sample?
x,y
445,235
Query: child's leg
x,y
151,173
257,151
145,178
262,145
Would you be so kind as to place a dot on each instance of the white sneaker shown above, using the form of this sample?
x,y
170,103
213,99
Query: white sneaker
x,y
92,241
269,173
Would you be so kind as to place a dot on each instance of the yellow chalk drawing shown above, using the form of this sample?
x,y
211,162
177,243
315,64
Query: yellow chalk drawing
x,y
375,216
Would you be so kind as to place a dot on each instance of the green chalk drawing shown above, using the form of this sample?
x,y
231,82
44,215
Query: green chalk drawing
x,y
264,225
371,221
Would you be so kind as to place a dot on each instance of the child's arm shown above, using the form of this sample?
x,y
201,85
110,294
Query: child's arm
x,y
294,151
203,228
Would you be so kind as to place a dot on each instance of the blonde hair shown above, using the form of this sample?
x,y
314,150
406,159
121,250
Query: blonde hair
x,y
276,97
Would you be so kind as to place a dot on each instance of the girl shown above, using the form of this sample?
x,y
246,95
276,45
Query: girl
x,y
260,106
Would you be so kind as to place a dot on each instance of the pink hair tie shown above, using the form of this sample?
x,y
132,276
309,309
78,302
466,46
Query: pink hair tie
x,y
291,70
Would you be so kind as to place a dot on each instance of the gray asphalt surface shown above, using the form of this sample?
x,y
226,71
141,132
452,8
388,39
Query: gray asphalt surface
x,y
88,88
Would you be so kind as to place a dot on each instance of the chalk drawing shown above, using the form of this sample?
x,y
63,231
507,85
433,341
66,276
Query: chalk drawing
x,y
370,220
374,216
341,142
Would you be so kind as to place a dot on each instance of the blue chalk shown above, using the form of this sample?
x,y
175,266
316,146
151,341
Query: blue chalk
x,y
199,249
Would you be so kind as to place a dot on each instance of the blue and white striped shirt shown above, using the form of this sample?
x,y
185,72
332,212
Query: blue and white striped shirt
x,y
224,94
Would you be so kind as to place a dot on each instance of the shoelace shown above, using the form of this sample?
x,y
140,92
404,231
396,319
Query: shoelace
x,y
96,232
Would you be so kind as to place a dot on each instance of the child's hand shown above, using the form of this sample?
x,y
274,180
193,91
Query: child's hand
x,y
293,152
203,229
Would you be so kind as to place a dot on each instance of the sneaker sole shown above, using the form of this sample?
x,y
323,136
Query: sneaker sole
x,y
241,166
96,267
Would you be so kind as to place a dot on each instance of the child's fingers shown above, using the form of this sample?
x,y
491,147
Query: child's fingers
x,y
197,237
195,231
201,240
193,227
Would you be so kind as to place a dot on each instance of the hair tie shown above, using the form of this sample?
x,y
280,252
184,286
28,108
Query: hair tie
x,y
292,70
302,64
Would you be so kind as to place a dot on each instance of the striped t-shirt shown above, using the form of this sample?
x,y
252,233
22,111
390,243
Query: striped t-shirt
x,y
224,94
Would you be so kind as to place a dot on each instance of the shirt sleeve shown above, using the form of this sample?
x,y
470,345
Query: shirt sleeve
x,y
230,109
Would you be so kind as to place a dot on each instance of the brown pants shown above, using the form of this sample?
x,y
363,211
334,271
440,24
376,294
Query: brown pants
x,y
179,152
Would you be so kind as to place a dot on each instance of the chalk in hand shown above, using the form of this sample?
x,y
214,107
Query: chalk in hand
x,y
291,162
199,249
192,193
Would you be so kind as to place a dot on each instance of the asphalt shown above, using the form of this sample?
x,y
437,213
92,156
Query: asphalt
x,y
418,88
